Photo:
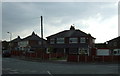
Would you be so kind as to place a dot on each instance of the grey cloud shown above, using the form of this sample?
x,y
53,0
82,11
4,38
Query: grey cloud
x,y
22,15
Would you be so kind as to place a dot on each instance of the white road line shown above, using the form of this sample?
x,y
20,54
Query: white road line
x,y
49,73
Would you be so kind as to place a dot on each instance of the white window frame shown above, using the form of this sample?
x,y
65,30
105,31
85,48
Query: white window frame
x,y
60,41
73,40
23,43
82,40
82,51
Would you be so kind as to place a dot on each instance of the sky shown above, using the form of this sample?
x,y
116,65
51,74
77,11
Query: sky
x,y
100,19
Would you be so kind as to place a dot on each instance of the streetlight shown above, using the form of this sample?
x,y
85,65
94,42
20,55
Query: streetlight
x,y
10,39
10,35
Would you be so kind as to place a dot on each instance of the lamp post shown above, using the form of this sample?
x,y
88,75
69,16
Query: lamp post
x,y
10,39
10,35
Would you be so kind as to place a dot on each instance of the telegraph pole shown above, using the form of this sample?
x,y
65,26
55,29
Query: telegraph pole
x,y
41,27
10,40
42,36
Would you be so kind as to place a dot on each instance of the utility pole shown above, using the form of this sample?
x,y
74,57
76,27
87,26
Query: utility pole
x,y
42,31
42,36
41,27
10,40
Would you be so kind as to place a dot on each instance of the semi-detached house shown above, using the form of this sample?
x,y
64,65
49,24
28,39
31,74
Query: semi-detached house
x,y
72,41
31,43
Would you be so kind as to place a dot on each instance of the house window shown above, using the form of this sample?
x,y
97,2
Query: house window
x,y
60,40
82,40
73,50
116,51
52,41
83,51
73,40
23,43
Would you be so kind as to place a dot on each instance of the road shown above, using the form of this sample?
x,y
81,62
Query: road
x,y
16,66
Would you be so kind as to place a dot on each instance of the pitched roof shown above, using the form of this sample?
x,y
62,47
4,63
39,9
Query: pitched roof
x,y
70,33
117,38
16,39
33,37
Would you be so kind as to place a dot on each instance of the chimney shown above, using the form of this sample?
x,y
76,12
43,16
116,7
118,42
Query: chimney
x,y
72,28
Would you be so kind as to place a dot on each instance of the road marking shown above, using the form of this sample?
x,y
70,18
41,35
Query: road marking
x,y
49,73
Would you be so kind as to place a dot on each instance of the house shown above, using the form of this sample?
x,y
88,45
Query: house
x,y
114,45
31,43
73,41
14,43
5,45
108,51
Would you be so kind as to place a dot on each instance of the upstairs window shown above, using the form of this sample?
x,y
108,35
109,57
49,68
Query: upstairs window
x,y
73,40
23,43
60,40
52,41
82,40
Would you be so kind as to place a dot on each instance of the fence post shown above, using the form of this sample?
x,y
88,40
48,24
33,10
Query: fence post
x,y
78,57
103,58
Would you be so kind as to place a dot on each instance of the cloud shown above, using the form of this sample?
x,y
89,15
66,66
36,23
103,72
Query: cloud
x,y
104,30
24,17
0,21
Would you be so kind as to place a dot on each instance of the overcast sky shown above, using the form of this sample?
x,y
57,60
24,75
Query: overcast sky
x,y
100,19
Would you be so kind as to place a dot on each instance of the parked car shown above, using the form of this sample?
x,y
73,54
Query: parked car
x,y
6,53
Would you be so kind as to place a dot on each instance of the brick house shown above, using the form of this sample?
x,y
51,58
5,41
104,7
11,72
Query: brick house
x,y
31,43
5,45
114,45
73,41
108,51
14,43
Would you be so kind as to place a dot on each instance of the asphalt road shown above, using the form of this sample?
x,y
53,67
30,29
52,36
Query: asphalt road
x,y
16,66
